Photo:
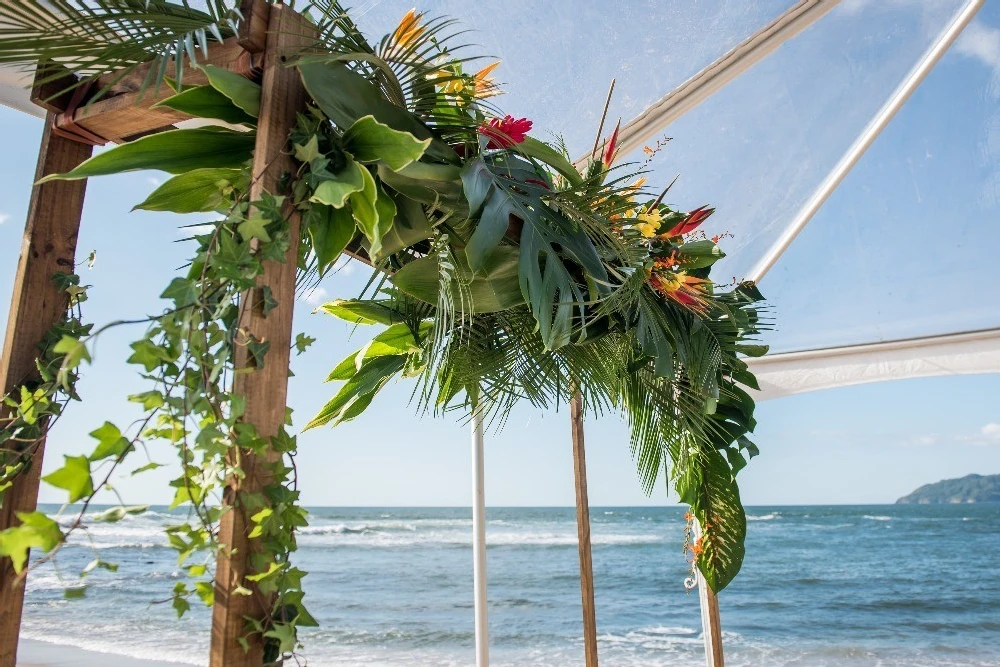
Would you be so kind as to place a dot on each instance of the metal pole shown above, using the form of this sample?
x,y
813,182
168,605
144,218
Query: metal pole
x,y
866,138
479,539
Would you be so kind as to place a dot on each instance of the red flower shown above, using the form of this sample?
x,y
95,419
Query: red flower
x,y
505,132
692,221
609,153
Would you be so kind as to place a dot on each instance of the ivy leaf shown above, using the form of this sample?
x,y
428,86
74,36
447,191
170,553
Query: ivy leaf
x,y
255,227
371,141
182,292
74,349
110,442
309,151
74,476
302,342
36,531
268,302
257,350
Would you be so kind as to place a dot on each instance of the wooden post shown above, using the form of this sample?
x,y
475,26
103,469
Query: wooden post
x,y
265,389
48,248
711,624
583,532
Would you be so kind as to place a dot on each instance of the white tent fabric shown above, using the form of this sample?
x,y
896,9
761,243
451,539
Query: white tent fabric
x,y
972,353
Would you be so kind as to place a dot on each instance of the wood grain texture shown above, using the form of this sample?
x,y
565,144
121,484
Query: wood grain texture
x,y
711,623
253,30
48,247
583,532
265,389
125,111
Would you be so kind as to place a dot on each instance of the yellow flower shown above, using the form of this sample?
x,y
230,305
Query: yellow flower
x,y
484,85
409,29
646,229
649,223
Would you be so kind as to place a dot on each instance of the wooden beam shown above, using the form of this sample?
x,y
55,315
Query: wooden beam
x,y
583,532
125,111
48,247
253,29
265,389
711,624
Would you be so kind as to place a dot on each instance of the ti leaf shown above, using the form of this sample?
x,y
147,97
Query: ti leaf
x,y
207,102
196,191
173,151
243,92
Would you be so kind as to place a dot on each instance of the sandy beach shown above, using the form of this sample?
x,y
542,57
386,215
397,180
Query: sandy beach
x,y
33,653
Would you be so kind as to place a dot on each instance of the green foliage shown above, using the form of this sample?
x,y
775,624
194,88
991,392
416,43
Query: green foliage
x,y
207,102
36,531
196,191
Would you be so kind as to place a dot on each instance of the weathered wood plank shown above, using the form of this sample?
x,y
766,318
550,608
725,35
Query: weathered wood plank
x,y
48,247
253,30
711,623
265,389
583,532
126,111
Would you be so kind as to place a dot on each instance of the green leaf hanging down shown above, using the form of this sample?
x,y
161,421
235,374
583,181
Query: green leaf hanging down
x,y
207,102
363,312
358,392
408,227
243,92
197,191
173,151
74,476
718,509
36,531
345,96
330,229
371,141
493,288
397,339
699,254
374,211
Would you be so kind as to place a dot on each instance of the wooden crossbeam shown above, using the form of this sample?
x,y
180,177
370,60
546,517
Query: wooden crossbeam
x,y
48,248
126,110
265,389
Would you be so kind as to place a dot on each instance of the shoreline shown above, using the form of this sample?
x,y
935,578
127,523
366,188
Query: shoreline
x,y
36,653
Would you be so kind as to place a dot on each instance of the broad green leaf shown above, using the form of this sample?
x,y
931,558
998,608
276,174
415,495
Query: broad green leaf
x,y
385,206
173,151
723,521
330,229
36,531
370,378
408,227
699,254
334,192
182,291
492,289
207,102
197,191
373,211
345,96
428,184
362,312
110,442
243,92
544,153
74,476
371,141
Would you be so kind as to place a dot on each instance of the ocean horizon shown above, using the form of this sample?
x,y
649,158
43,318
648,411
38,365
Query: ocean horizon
x,y
822,585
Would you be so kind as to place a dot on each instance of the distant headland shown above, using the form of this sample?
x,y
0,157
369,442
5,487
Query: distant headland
x,y
968,489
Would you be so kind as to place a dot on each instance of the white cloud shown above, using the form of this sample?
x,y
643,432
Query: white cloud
x,y
990,434
315,296
4,217
344,265
981,42
154,181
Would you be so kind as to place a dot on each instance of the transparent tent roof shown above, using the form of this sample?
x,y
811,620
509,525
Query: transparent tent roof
x,y
899,251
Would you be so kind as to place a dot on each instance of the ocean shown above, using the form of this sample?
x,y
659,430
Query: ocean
x,y
821,586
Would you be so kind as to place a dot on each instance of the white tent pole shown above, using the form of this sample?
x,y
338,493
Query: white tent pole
x,y
711,624
866,138
479,538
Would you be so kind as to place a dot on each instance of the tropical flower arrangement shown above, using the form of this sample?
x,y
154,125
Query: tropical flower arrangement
x,y
503,272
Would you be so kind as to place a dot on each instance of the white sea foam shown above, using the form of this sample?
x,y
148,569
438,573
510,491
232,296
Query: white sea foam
x,y
876,517
763,517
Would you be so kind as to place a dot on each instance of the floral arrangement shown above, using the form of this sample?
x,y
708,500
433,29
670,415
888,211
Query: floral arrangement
x,y
504,272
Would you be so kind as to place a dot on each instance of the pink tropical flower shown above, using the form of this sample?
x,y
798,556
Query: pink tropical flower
x,y
505,132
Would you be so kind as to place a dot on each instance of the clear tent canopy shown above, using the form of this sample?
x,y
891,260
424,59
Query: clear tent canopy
x,y
890,277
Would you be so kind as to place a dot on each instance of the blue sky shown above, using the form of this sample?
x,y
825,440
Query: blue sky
x,y
934,171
